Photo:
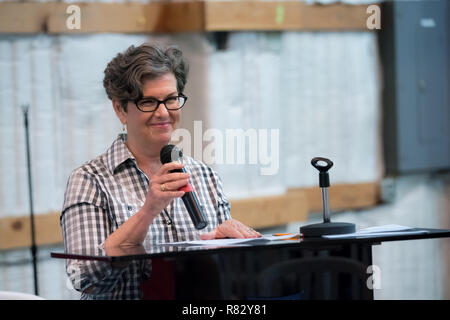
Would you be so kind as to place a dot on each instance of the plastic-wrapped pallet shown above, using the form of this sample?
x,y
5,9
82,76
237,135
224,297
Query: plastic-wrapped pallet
x,y
319,90
331,87
71,118
245,97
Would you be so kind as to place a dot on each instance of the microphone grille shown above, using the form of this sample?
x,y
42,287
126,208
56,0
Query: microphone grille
x,y
170,153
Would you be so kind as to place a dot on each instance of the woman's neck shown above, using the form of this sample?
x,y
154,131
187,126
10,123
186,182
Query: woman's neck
x,y
147,158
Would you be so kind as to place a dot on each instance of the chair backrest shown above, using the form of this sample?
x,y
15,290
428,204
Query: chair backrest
x,y
317,278
11,295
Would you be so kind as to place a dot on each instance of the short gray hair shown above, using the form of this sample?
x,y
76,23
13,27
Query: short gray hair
x,y
127,71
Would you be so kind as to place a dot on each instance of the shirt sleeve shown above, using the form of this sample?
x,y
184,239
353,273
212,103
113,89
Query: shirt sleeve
x,y
223,204
85,225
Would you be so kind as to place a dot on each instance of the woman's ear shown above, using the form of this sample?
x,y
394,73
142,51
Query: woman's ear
x,y
120,112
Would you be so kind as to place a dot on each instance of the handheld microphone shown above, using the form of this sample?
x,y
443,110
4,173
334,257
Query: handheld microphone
x,y
171,153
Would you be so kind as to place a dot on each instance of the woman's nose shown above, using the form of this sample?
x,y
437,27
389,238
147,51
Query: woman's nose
x,y
161,111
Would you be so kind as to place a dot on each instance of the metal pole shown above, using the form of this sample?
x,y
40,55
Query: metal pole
x,y
25,109
326,207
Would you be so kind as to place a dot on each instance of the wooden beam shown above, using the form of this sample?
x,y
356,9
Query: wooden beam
x,y
15,231
109,17
133,18
25,17
189,16
51,17
270,211
283,15
342,196
293,206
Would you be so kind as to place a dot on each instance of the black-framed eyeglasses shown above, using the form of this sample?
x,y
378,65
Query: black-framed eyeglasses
x,y
151,104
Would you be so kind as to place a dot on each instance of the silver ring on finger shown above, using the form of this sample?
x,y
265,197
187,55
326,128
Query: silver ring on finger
x,y
163,187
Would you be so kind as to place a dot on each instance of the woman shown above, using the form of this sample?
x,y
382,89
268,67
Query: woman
x,y
126,196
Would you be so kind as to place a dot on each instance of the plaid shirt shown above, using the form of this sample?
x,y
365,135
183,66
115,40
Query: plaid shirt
x,y
102,194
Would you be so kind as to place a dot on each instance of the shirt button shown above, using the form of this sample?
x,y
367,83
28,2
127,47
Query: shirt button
x,y
168,222
129,208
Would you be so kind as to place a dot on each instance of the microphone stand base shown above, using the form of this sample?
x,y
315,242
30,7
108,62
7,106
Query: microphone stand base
x,y
326,228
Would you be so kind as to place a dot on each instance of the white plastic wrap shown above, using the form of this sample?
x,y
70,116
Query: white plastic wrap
x,y
320,90
71,119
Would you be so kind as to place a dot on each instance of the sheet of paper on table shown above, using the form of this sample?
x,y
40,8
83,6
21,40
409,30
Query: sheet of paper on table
x,y
379,231
227,242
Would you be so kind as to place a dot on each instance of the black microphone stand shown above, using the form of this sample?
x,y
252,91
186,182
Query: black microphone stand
x,y
326,227
25,109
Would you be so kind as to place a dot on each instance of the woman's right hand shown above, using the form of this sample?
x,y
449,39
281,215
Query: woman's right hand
x,y
163,187
133,231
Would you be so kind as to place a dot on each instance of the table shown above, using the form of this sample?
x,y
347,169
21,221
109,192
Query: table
x,y
314,268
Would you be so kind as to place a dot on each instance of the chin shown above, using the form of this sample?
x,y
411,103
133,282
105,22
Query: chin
x,y
160,136
163,138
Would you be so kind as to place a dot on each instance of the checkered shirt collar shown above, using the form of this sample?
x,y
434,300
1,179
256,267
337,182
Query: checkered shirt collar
x,y
118,154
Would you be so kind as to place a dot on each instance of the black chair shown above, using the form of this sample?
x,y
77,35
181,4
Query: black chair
x,y
327,278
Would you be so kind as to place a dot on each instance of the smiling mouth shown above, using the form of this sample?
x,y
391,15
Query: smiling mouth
x,y
160,124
